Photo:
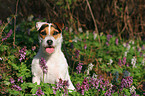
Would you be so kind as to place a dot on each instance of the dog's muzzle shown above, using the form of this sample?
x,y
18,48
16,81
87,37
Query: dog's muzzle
x,y
50,48
49,42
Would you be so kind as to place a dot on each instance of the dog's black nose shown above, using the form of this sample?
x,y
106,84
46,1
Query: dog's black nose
x,y
49,42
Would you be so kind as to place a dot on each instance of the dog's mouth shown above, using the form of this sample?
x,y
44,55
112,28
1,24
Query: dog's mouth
x,y
49,49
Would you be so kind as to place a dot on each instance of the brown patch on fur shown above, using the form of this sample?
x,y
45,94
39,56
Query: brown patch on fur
x,y
45,30
43,33
59,26
58,35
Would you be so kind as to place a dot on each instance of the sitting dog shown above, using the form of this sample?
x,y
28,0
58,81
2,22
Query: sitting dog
x,y
50,38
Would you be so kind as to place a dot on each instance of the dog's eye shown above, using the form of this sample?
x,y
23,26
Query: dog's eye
x,y
43,33
55,33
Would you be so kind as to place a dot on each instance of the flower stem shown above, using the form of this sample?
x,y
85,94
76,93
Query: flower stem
x,y
43,77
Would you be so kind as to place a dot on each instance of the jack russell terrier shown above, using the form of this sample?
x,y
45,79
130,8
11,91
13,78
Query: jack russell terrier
x,y
50,39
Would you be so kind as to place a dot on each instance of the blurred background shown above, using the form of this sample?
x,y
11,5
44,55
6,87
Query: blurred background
x,y
126,18
106,34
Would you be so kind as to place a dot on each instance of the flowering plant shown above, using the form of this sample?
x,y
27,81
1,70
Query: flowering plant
x,y
111,67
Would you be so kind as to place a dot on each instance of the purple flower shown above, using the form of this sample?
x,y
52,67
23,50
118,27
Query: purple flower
x,y
134,94
61,85
103,83
20,79
77,52
109,37
22,53
13,86
28,32
78,86
107,43
71,45
123,83
116,41
33,48
12,81
99,90
94,83
108,93
85,84
79,67
143,47
1,22
127,44
16,87
83,87
126,82
85,46
66,28
65,86
138,49
8,35
130,80
119,62
140,53
43,65
127,65
39,92
124,60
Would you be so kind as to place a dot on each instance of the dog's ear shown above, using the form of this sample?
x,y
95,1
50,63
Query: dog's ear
x,y
39,24
59,26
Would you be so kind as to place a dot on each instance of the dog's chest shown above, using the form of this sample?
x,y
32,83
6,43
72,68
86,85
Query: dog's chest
x,y
57,67
56,61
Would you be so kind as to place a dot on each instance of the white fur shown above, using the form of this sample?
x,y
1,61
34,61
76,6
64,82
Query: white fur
x,y
56,62
49,27
39,24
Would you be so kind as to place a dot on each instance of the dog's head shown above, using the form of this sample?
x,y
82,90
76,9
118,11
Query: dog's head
x,y
50,35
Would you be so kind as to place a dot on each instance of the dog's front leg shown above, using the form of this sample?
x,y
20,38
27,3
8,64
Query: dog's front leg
x,y
64,75
71,87
36,79
36,70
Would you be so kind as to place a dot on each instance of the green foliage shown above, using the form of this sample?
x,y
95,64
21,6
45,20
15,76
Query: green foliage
x,y
90,51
